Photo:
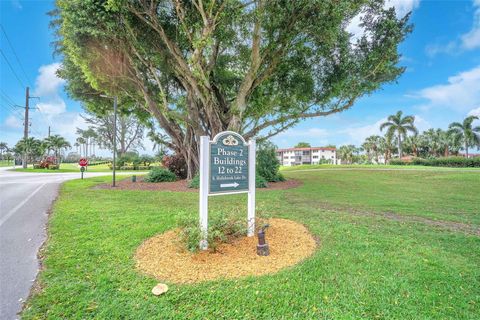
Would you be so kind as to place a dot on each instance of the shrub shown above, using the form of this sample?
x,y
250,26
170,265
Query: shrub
x,y
222,228
267,162
160,175
146,159
37,166
126,168
195,182
260,182
54,167
456,162
143,168
397,162
176,164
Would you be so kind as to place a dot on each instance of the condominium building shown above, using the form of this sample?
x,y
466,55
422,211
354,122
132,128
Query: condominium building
x,y
297,156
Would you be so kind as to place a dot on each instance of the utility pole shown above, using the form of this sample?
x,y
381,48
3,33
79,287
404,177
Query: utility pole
x,y
25,129
49,131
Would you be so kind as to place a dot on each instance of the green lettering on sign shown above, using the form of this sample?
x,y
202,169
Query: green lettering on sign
x,y
228,164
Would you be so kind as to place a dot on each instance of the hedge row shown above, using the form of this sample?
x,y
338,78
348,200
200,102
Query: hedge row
x,y
455,162
131,167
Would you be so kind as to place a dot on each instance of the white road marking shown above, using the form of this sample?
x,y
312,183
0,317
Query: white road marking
x,y
11,212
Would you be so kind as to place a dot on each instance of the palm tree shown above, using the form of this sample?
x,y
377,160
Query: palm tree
x,y
388,145
77,146
400,125
433,139
372,146
57,143
346,153
412,143
465,132
30,147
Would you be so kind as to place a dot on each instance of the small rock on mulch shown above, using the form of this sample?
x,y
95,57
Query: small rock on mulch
x,y
182,185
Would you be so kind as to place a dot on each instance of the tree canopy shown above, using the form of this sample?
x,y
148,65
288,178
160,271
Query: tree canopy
x,y
303,145
200,67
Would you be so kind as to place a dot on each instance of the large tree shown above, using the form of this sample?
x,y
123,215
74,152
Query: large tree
x,y
203,66
129,131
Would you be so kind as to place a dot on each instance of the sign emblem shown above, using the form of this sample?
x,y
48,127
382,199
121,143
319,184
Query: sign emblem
x,y
230,141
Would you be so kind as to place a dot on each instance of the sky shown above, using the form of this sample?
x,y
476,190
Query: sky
x,y
441,83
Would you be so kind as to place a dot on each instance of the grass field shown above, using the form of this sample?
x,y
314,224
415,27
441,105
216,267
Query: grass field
x,y
393,244
367,166
67,167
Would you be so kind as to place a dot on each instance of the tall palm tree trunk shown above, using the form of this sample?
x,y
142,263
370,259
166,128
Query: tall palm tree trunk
x,y
400,153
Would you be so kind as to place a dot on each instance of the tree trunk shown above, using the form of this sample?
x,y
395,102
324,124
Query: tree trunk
x,y
466,150
400,154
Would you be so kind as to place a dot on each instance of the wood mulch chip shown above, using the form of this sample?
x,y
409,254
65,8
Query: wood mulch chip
x,y
182,185
166,259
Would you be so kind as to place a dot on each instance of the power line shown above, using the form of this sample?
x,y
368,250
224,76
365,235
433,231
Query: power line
x,y
7,98
11,68
15,54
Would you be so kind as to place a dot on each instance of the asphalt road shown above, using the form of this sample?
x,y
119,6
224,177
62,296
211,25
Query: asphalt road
x,y
25,199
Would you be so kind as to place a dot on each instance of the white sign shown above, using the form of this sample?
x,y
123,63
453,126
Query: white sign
x,y
227,166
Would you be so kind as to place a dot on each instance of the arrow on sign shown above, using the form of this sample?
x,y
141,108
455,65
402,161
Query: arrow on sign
x,y
229,185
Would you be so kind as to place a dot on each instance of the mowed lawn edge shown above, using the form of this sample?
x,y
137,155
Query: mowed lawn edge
x,y
365,266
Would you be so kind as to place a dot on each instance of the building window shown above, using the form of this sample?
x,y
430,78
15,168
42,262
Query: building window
x,y
285,157
315,157
306,153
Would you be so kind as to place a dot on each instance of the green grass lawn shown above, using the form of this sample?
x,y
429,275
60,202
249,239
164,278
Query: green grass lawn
x,y
367,166
367,266
6,163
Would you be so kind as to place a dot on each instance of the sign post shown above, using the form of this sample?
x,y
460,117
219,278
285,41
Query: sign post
x,y
227,166
83,163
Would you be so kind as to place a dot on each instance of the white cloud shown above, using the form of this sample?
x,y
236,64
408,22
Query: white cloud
x,y
474,112
466,41
47,86
13,122
55,106
402,7
461,93
358,134
48,82
471,39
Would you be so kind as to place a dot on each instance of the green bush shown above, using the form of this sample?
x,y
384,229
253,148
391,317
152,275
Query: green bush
x,y
37,166
397,162
454,162
260,182
126,168
267,162
222,228
143,168
54,167
160,175
195,182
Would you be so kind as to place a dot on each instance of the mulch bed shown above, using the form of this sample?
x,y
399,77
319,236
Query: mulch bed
x,y
182,185
165,258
